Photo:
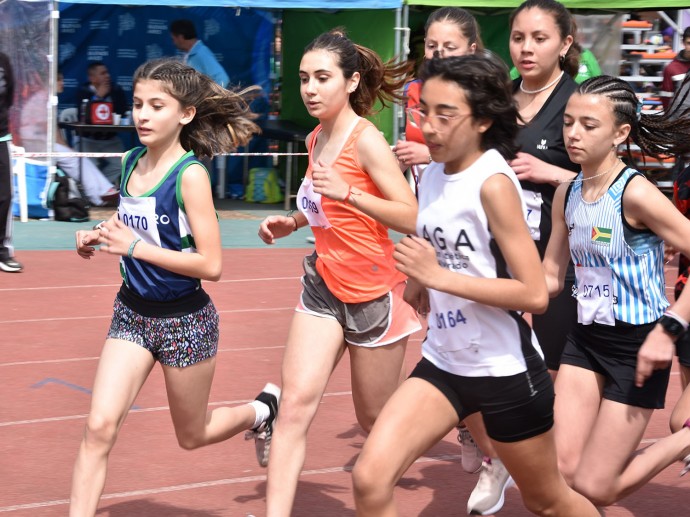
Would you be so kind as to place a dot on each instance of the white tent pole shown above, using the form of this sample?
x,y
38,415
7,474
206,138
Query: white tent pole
x,y
52,84
402,50
673,23
399,59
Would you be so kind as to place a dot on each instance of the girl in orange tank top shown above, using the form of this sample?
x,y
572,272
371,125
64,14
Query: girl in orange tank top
x,y
352,294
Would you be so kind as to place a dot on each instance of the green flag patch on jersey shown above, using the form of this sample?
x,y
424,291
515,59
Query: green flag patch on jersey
x,y
601,234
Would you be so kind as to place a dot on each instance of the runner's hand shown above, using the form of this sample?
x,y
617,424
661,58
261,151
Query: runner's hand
x,y
276,226
656,353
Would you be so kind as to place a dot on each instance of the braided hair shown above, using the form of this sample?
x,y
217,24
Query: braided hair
x,y
658,135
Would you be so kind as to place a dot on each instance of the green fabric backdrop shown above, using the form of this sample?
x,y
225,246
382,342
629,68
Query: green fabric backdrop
x,y
370,28
375,29
493,28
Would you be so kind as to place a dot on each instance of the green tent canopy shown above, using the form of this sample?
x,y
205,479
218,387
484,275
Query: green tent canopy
x,y
380,28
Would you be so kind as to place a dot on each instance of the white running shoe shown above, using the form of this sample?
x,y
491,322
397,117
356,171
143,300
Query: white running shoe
x,y
489,495
471,455
263,434
686,468
10,265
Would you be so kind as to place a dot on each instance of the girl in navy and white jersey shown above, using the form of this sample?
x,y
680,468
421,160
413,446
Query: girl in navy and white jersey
x,y
612,222
166,233
475,255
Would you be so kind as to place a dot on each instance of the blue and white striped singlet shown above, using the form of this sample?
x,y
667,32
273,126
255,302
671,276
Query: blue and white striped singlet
x,y
599,237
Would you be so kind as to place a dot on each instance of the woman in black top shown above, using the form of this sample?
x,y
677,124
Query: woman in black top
x,y
543,48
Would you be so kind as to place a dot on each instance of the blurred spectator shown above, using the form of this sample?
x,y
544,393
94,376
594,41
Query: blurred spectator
x,y
589,66
667,34
675,71
7,260
97,188
102,95
197,55
34,137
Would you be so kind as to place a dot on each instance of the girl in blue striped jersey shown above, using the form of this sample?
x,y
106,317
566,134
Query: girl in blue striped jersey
x,y
613,223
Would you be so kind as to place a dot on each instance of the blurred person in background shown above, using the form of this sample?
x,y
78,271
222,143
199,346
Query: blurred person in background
x,y
196,53
675,71
101,94
7,260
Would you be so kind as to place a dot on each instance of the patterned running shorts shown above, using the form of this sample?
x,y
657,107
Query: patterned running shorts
x,y
178,342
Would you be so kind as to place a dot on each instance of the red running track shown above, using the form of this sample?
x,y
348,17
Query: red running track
x,y
53,319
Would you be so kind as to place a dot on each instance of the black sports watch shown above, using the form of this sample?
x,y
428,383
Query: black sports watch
x,y
671,326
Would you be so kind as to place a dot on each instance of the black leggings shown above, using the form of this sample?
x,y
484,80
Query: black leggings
x,y
6,249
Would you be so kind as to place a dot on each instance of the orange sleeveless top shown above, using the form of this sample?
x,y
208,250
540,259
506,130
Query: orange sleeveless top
x,y
355,254
413,92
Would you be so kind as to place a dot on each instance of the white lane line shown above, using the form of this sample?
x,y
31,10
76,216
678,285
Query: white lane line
x,y
50,361
75,318
213,483
78,359
145,410
233,281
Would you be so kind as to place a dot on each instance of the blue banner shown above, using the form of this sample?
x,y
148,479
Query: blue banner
x,y
265,4
123,37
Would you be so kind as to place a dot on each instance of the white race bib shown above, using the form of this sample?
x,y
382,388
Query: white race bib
x,y
594,295
455,326
139,213
309,203
533,202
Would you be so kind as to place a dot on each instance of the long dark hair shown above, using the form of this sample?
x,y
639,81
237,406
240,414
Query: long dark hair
x,y
378,80
484,79
223,120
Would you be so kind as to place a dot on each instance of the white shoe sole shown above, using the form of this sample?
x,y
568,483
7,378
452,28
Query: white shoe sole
x,y
495,508
9,269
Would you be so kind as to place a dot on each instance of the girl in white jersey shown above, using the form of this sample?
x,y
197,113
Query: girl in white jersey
x,y
166,233
474,254
613,222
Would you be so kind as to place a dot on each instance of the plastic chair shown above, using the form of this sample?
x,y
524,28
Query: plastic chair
x,y
69,115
